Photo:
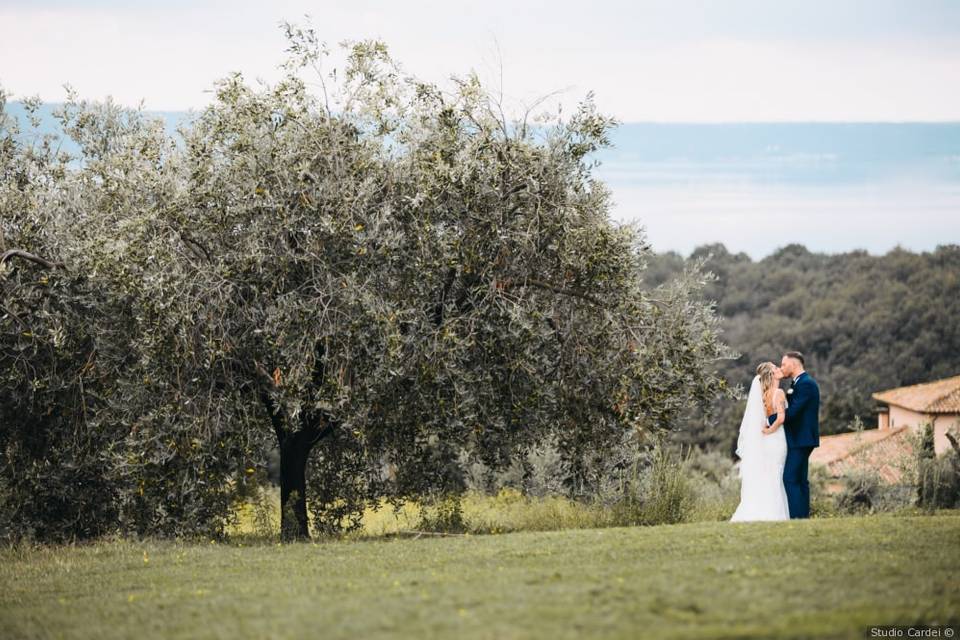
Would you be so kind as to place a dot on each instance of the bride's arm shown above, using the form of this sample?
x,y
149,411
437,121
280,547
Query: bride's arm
x,y
779,400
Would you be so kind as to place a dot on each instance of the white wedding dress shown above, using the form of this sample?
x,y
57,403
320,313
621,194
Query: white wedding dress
x,y
762,495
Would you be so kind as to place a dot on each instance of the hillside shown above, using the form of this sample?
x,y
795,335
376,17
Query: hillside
x,y
865,323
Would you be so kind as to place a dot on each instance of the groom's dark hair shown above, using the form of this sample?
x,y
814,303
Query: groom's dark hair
x,y
796,355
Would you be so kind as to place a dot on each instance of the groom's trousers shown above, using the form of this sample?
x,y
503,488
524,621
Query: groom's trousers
x,y
795,481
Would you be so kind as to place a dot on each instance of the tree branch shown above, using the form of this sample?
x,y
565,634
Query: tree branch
x,y
273,409
275,418
197,246
438,309
19,253
561,290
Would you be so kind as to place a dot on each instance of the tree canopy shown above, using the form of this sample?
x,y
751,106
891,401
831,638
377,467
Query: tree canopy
x,y
369,279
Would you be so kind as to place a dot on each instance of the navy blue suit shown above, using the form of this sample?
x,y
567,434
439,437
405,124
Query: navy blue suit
x,y
802,429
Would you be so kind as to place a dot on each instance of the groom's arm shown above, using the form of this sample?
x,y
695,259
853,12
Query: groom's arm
x,y
802,395
779,401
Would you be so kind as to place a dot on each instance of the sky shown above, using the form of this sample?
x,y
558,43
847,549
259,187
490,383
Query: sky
x,y
675,61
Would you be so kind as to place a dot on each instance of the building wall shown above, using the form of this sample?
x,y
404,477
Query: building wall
x,y
900,417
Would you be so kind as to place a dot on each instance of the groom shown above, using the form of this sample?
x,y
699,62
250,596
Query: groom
x,y
802,428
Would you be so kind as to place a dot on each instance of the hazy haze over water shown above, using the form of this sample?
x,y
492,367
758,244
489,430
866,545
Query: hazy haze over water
x,y
755,187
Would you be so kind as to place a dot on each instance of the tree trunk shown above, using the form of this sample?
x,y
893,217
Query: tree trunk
x,y
295,447
293,488
294,452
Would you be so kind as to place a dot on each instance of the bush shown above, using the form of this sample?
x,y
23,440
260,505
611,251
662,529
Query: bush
x,y
865,492
926,453
938,485
822,502
442,514
716,484
658,492
633,484
861,490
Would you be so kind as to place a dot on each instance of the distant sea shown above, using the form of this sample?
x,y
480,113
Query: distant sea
x,y
755,187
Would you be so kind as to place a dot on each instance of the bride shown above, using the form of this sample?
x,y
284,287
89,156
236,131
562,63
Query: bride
x,y
762,449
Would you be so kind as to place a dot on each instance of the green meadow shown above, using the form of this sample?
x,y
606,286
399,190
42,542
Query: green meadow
x,y
825,577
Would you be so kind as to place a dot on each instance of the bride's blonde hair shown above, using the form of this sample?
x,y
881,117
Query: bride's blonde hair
x,y
766,370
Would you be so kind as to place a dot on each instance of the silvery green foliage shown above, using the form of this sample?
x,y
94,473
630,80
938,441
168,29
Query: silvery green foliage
x,y
540,470
392,261
95,435
53,437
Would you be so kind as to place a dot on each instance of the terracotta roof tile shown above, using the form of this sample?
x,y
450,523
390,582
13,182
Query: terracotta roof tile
x,y
941,396
883,450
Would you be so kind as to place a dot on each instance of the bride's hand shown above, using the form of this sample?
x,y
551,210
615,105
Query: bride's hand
x,y
768,430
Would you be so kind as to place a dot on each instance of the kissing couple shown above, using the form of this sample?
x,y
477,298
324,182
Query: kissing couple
x,y
777,434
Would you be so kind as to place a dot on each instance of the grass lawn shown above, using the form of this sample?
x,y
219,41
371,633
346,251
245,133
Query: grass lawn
x,y
829,577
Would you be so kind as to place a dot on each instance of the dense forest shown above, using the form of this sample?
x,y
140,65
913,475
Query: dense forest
x,y
865,323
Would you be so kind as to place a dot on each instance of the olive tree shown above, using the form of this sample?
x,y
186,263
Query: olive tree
x,y
373,276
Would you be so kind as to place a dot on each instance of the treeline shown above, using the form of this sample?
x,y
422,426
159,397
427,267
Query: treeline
x,y
865,323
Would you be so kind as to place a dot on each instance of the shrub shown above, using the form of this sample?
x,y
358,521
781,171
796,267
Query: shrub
x,y
442,514
716,484
866,492
822,503
658,492
861,490
668,492
939,482
926,464
548,472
